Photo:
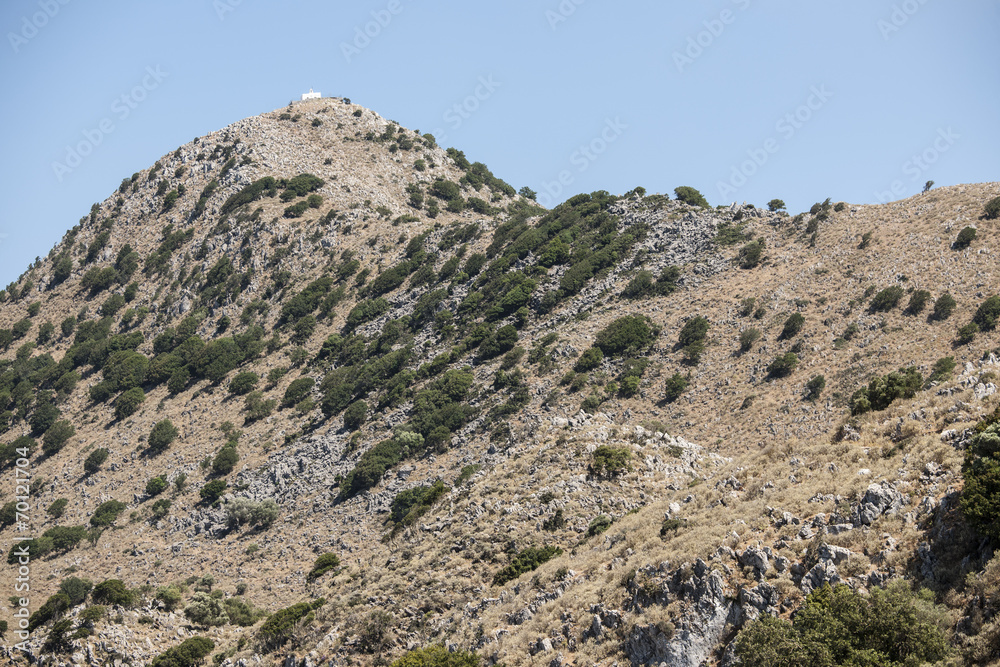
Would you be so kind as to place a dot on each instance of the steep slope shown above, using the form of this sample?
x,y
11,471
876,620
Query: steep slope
x,y
325,334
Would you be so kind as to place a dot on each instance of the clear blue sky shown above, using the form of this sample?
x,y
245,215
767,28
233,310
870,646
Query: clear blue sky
x,y
886,81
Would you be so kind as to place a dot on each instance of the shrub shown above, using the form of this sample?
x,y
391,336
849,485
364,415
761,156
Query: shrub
x,y
944,306
411,504
600,524
65,538
243,383
887,299
503,340
525,561
128,403
156,486
355,415
611,461
690,196
838,626
815,387
57,508
918,301
76,589
589,360
206,610
297,390
748,337
159,509
783,365
225,460
882,391
258,407
323,564
987,314
45,333
213,490
980,501
57,436
95,460
106,513
188,653
965,238
438,656
751,254
113,592
992,209
625,336
277,629
967,333
162,435
793,325
942,369
21,329
676,385
170,596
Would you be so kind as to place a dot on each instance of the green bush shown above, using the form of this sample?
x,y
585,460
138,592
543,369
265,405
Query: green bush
x,y
918,301
113,592
128,403
437,656
156,486
355,415
76,589
161,436
748,337
65,538
213,490
159,509
944,306
783,365
57,436
690,196
189,653
992,209
887,299
170,596
942,369
815,387
589,360
411,504
95,460
297,391
980,501
225,460
525,561
57,508
323,564
751,254
625,336
987,314
277,629
675,386
503,340
257,407
243,383
882,391
967,333
21,329
611,461
891,627
965,238
106,513
600,524
793,325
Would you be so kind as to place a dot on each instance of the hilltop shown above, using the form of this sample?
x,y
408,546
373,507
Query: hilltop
x,y
315,386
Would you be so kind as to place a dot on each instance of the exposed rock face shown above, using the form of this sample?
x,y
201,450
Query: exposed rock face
x,y
879,499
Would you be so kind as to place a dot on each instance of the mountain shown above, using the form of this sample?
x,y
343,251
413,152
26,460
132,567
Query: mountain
x,y
314,386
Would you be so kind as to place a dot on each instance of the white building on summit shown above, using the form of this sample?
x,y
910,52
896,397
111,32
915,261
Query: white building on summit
x,y
311,95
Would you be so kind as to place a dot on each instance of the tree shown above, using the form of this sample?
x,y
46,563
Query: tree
x,y
243,383
928,185
690,196
775,205
815,387
323,564
944,306
76,589
128,403
793,325
676,385
992,209
213,490
56,437
589,360
225,460
988,314
625,336
887,299
355,415
106,513
113,592
94,460
980,502
189,653
163,433
527,193
783,365
965,238
751,254
611,461
156,486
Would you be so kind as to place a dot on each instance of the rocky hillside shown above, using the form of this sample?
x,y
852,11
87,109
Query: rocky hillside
x,y
314,390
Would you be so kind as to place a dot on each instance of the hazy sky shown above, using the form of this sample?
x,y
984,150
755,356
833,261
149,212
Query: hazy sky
x,y
858,100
